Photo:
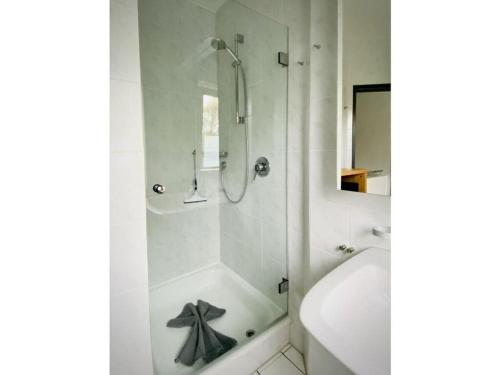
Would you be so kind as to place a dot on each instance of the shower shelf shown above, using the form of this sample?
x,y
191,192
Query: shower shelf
x,y
174,203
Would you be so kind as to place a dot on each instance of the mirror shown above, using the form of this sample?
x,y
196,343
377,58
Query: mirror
x,y
365,151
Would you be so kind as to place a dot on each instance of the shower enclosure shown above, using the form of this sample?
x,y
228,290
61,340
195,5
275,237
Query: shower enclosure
x,y
213,90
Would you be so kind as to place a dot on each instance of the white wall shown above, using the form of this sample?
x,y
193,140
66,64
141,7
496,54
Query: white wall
x,y
335,217
130,335
366,55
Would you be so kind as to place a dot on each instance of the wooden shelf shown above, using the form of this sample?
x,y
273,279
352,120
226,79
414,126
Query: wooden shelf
x,y
358,176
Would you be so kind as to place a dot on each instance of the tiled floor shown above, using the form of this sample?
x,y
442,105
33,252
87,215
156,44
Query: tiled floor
x,y
288,362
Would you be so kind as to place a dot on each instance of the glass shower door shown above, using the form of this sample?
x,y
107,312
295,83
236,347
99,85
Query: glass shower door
x,y
253,232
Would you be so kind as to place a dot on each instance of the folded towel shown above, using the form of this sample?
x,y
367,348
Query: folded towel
x,y
203,341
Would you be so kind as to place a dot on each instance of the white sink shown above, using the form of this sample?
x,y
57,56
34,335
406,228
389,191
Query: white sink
x,y
348,312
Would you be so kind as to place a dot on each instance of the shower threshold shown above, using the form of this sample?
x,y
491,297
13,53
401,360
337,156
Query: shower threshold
x,y
247,309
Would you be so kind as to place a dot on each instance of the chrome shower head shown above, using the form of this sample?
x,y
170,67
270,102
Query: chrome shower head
x,y
218,44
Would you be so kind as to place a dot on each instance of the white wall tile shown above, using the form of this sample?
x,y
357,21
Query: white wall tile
x,y
323,71
280,366
130,351
330,226
324,22
297,15
126,116
124,42
323,123
362,222
273,9
322,174
297,330
293,355
127,187
297,118
128,3
128,256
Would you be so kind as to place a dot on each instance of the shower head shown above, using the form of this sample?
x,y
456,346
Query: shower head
x,y
218,44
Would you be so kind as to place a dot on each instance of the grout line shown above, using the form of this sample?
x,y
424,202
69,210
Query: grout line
x,y
289,360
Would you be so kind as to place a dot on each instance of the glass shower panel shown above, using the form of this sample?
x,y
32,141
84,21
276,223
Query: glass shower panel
x,y
253,232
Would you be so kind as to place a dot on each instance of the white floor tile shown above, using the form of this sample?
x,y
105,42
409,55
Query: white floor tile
x,y
287,346
269,362
280,366
294,355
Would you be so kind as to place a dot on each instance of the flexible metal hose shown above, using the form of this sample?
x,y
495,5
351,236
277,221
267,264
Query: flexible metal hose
x,y
221,173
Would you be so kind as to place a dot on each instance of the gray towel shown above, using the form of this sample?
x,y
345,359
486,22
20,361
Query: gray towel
x,y
203,341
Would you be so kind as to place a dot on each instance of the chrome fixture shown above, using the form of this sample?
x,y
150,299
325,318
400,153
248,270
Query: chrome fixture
x,y
262,167
250,332
236,64
283,286
283,59
382,231
219,44
345,249
159,189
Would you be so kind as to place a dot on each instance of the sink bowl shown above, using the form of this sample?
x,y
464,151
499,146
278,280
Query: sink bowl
x,y
348,312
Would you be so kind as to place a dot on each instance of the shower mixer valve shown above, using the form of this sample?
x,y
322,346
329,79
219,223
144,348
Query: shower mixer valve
x,y
261,168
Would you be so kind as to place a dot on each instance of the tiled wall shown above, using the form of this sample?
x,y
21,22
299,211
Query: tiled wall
x,y
130,335
178,67
335,217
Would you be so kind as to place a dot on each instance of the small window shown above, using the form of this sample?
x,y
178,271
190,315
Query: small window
x,y
210,131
